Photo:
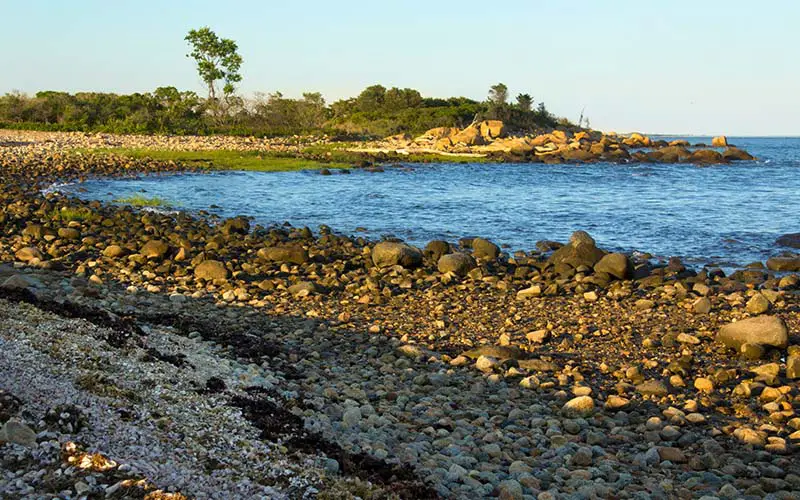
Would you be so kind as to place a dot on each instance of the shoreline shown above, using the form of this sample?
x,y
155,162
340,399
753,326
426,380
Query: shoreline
x,y
518,377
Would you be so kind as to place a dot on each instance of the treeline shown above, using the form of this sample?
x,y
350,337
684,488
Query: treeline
x,y
377,111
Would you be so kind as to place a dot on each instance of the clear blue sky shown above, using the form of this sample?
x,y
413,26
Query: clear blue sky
x,y
702,67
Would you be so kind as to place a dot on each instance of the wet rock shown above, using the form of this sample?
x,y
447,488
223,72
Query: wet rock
x,y
485,249
288,254
762,330
389,253
236,225
736,154
457,263
791,240
784,263
211,270
615,264
435,249
581,251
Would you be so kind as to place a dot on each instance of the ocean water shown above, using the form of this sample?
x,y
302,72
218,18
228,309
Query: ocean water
x,y
722,215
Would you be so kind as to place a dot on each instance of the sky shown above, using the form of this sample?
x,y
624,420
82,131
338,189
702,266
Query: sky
x,y
678,67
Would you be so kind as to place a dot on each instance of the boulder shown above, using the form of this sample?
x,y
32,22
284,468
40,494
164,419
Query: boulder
x,y
706,156
211,270
389,253
719,142
470,136
492,129
456,263
438,133
784,263
154,249
236,225
485,249
28,254
559,137
580,251
761,330
736,154
435,249
674,154
288,254
577,155
791,240
617,265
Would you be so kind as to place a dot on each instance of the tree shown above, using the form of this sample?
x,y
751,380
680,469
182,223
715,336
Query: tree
x,y
216,60
498,94
524,102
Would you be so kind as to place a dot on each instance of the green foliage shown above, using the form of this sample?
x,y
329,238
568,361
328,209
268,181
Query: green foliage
x,y
164,111
216,60
524,102
73,214
375,112
139,200
498,94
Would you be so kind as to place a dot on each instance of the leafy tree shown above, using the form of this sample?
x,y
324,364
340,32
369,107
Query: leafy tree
x,y
524,102
216,60
498,94
371,98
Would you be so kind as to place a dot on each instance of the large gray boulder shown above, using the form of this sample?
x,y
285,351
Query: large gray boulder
x,y
390,253
456,263
287,254
580,251
617,265
761,330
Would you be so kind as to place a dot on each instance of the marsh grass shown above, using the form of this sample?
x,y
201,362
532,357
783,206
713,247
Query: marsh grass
x,y
139,200
223,159
67,214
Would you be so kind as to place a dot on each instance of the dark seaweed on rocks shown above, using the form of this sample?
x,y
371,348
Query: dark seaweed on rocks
x,y
121,329
268,412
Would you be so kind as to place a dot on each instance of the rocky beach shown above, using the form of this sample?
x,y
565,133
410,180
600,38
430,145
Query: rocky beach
x,y
158,354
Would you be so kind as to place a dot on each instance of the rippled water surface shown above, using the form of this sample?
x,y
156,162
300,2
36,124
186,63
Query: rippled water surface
x,y
723,214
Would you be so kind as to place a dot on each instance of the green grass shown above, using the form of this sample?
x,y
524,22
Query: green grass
x,y
139,200
222,159
72,214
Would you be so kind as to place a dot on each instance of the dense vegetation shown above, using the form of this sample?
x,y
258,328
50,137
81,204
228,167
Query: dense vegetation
x,y
377,111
